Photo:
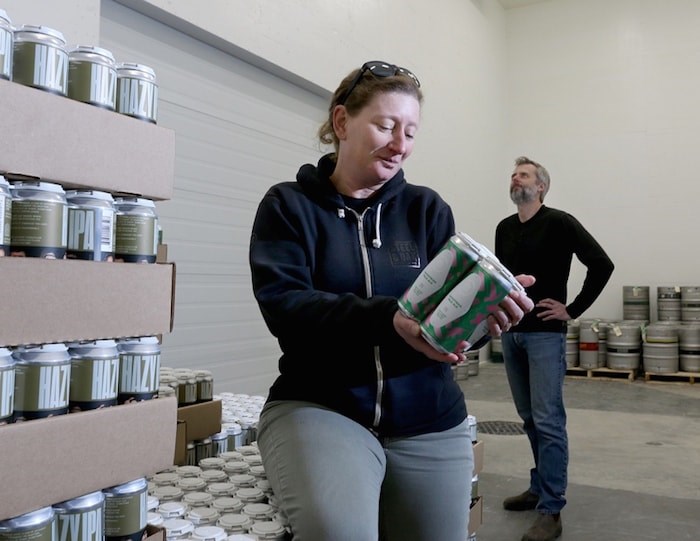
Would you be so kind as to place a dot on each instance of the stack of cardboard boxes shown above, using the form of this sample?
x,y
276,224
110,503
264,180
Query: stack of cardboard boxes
x,y
52,138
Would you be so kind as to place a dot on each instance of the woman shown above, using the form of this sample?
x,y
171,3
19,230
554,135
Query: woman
x,y
364,434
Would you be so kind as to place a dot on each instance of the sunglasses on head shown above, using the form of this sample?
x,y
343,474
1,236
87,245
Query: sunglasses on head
x,y
378,69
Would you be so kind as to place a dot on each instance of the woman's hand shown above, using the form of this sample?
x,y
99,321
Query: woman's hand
x,y
512,308
409,330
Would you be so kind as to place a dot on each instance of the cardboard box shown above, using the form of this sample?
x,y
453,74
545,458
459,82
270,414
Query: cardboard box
x,y
476,512
82,146
45,301
47,461
154,533
195,422
478,448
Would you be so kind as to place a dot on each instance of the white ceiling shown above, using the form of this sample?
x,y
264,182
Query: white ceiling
x,y
510,4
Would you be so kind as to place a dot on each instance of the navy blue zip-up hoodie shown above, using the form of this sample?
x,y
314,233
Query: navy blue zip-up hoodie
x,y
327,278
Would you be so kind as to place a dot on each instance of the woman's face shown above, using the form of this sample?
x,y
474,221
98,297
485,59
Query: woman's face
x,y
376,142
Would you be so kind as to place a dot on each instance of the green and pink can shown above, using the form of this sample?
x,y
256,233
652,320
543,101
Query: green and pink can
x,y
462,315
452,263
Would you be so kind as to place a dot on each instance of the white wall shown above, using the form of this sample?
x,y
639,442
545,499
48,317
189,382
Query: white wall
x,y
605,94
78,20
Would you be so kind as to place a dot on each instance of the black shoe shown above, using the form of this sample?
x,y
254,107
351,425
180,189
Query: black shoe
x,y
522,502
545,528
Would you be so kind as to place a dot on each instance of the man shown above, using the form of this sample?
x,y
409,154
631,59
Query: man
x,y
541,241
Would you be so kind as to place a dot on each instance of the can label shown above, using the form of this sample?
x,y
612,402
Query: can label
x,y
7,394
41,66
462,314
443,272
136,239
91,234
138,377
125,516
94,383
41,391
92,83
5,223
39,228
137,98
81,526
5,53
205,390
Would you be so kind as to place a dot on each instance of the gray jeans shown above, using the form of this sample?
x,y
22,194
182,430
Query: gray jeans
x,y
335,481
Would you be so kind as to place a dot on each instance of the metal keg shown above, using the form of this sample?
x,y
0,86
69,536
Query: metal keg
x,y
668,303
588,344
635,302
572,343
660,355
690,303
689,347
624,345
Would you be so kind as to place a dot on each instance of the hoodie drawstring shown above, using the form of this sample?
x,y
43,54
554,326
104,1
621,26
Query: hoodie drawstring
x,y
377,242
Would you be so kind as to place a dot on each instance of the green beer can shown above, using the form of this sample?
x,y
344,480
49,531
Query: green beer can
x,y
454,260
42,381
6,43
139,369
7,386
137,91
91,225
39,525
126,511
92,76
82,518
5,216
40,59
94,375
136,238
462,314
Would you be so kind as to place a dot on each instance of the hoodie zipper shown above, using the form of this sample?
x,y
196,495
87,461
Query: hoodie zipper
x,y
364,250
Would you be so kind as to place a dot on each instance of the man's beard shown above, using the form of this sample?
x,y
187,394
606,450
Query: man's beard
x,y
523,194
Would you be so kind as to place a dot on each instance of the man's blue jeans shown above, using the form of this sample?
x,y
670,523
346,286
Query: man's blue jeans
x,y
535,363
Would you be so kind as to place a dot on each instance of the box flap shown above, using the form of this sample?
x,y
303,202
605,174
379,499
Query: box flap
x,y
202,420
46,301
47,461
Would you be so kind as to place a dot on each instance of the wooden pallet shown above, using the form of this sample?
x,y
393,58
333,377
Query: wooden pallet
x,y
672,377
601,373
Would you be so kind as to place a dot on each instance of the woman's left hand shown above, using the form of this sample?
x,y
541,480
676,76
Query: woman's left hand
x,y
512,308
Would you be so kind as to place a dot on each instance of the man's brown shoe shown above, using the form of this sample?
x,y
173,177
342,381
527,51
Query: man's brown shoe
x,y
522,502
545,528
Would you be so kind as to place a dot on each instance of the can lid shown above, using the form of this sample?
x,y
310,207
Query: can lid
x,y
175,527
198,498
154,519
28,521
89,49
268,528
209,533
247,493
132,487
165,478
3,15
167,492
88,501
227,503
191,483
211,462
38,29
172,509
96,194
152,503
231,520
135,201
54,352
203,515
257,510
133,66
6,357
37,185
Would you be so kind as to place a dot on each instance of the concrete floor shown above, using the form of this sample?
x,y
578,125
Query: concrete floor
x,y
634,467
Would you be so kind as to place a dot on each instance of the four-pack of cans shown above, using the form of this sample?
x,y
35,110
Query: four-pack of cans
x,y
456,292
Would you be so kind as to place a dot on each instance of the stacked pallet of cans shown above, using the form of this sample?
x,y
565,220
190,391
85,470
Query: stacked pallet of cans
x,y
43,219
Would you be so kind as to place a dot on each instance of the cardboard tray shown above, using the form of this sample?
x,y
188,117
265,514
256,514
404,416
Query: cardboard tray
x,y
47,461
476,512
61,140
195,422
478,448
45,301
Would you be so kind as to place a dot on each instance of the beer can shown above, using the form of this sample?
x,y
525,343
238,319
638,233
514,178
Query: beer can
x,y
40,59
136,238
462,314
94,375
454,260
39,226
42,381
92,76
39,525
6,42
137,91
5,216
82,518
126,511
7,386
139,367
91,225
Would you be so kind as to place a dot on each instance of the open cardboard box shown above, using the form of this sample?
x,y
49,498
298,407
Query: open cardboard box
x,y
476,512
47,461
478,448
46,301
195,422
77,145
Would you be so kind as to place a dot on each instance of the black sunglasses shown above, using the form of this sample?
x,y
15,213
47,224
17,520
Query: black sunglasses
x,y
378,69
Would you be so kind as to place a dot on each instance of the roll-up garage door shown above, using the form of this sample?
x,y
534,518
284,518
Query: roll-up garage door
x,y
238,130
